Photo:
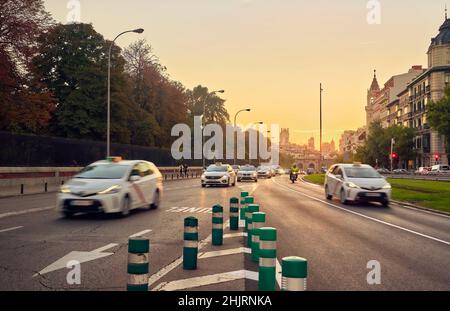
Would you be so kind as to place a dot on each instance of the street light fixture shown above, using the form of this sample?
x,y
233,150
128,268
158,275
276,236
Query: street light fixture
x,y
204,122
235,118
108,123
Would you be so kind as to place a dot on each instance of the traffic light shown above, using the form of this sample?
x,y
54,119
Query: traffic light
x,y
394,155
436,157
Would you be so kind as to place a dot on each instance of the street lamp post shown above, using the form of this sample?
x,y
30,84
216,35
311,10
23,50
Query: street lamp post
x,y
108,122
235,118
204,123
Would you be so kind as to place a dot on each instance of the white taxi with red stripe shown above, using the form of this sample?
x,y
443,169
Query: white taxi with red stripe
x,y
356,182
112,186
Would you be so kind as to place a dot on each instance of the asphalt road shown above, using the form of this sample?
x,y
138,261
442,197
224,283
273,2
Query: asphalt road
x,y
412,246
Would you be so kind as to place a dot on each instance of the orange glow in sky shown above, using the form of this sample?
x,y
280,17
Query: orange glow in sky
x,y
271,55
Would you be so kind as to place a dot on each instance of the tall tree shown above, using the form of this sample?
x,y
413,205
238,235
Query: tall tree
x,y
214,107
25,104
73,64
439,116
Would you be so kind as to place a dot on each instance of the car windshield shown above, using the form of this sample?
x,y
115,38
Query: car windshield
x,y
215,168
263,168
361,172
104,171
247,168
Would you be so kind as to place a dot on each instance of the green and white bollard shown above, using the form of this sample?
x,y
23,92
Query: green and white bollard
x,y
217,225
294,273
258,221
234,214
267,259
138,249
248,200
251,208
244,194
190,249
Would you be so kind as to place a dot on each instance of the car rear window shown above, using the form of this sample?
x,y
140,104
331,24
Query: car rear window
x,y
104,171
248,168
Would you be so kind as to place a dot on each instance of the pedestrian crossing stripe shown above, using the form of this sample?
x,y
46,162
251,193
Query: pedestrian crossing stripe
x,y
177,209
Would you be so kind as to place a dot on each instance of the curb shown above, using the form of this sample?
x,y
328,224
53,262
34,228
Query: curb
x,y
406,204
403,204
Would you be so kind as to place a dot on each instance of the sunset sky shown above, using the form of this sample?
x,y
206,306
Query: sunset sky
x,y
271,55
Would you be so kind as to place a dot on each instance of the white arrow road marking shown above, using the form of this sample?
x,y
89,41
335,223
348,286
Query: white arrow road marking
x,y
11,229
207,280
78,256
139,234
27,211
364,216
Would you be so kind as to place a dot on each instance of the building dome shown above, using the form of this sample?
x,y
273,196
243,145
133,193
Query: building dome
x,y
444,35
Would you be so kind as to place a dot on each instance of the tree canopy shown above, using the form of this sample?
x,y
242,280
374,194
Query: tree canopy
x,y
439,116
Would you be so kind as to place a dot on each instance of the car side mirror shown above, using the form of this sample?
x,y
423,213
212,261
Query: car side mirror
x,y
135,178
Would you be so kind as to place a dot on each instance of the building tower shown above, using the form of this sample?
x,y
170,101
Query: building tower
x,y
372,93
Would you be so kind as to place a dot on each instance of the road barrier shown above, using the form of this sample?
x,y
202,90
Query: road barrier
x,y
251,208
234,214
267,259
138,267
190,249
294,273
217,225
248,200
258,222
244,194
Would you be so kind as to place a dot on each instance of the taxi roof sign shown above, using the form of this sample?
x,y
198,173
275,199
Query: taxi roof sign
x,y
114,159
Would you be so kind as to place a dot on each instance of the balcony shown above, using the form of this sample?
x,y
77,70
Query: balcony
x,y
428,89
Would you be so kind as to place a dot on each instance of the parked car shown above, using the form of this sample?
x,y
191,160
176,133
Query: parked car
x,y
356,182
400,171
235,168
310,171
439,169
423,170
383,171
111,186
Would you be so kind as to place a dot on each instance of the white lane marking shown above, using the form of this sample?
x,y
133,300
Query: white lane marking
x,y
365,216
104,248
398,204
207,280
225,252
78,256
139,234
234,235
27,211
11,229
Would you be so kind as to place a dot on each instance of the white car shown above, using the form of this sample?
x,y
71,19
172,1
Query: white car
x,y
247,172
219,175
264,172
111,186
356,182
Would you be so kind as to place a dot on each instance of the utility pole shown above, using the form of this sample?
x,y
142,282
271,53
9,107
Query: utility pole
x,y
392,152
320,147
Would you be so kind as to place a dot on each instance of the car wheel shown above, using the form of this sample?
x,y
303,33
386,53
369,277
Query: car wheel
x,y
203,186
256,180
125,207
156,200
343,198
68,214
385,203
327,194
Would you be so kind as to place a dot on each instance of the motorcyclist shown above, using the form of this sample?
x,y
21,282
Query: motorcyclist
x,y
294,169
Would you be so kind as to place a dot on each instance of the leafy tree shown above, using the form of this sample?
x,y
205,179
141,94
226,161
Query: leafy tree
x,y
73,64
25,104
215,111
377,148
439,116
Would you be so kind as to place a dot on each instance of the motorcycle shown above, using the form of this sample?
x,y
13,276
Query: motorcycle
x,y
293,177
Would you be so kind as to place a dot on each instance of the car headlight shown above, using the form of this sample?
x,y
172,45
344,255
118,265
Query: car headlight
x,y
387,186
351,185
110,190
255,174
203,176
64,189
